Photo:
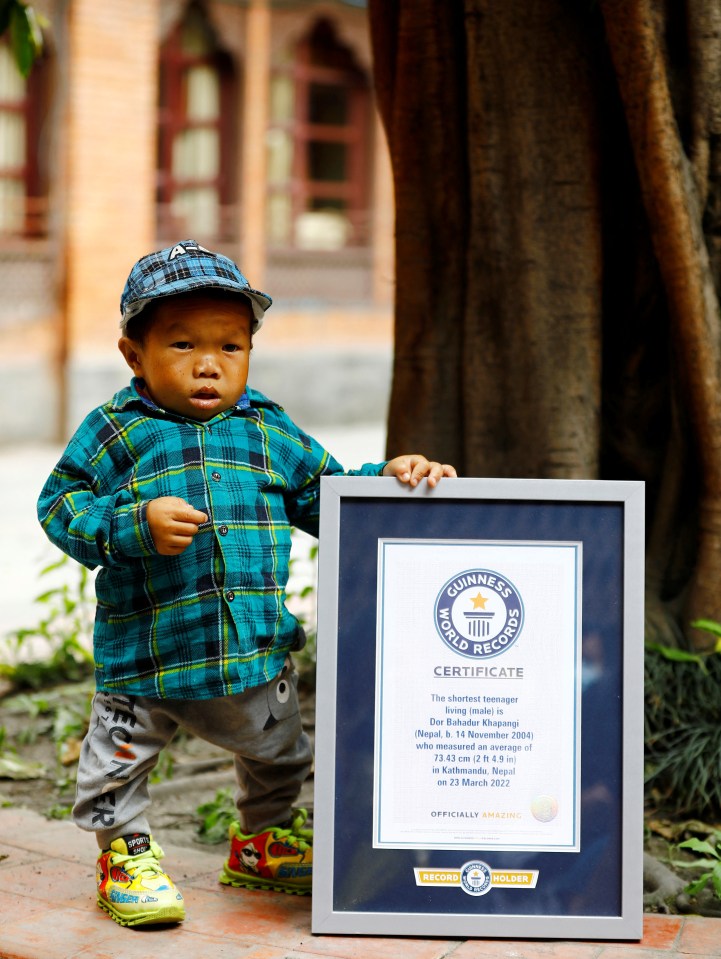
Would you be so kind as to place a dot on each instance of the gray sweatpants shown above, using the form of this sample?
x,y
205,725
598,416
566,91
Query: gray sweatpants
x,y
261,727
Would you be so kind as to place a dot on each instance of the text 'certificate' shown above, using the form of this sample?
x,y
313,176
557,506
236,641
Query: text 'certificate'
x,y
478,695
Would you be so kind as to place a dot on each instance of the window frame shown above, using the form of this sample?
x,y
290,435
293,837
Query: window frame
x,y
33,108
354,134
174,64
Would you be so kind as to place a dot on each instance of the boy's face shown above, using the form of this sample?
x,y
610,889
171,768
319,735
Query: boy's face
x,y
194,355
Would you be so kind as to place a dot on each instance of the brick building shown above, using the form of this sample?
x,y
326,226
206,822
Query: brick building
x,y
248,125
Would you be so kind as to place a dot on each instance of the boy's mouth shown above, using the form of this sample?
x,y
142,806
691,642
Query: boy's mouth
x,y
205,397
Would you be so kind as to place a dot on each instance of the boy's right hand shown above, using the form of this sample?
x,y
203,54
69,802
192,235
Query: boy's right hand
x,y
173,524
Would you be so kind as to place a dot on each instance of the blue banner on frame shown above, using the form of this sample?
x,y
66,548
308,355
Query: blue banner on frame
x,y
489,625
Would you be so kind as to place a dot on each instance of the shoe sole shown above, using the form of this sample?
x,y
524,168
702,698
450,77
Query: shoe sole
x,y
257,882
164,916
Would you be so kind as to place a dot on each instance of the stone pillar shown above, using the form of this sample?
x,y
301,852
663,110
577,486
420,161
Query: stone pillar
x,y
256,101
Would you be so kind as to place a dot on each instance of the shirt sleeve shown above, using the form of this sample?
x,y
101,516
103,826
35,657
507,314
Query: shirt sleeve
x,y
303,497
85,515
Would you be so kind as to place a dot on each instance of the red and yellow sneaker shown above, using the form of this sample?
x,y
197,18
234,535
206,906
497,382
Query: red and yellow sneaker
x,y
279,858
132,888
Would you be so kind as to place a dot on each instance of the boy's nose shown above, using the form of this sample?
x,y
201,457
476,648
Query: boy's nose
x,y
207,366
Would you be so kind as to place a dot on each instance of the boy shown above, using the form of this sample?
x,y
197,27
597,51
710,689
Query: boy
x,y
183,489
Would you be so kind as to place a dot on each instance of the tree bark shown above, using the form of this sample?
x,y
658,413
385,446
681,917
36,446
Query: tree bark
x,y
420,85
498,245
531,360
674,214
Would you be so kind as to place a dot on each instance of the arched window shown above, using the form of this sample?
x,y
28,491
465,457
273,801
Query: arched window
x,y
318,157
23,185
196,135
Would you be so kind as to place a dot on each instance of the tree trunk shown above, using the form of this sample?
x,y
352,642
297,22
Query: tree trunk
x,y
498,248
674,212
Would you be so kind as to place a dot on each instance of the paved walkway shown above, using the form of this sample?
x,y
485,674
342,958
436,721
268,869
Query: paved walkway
x,y
48,911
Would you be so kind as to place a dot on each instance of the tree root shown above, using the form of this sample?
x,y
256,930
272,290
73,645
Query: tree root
x,y
663,890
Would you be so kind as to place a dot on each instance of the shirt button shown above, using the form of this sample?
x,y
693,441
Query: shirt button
x,y
230,595
216,476
223,530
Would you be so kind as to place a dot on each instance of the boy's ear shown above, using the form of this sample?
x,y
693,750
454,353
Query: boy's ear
x,y
130,351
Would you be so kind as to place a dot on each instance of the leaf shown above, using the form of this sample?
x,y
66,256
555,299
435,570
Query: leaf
x,y
217,816
716,881
696,864
53,566
700,845
676,655
13,768
709,625
24,32
47,595
664,828
694,888
699,828
70,751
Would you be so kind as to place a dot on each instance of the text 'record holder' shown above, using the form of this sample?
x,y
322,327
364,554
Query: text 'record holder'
x,y
479,725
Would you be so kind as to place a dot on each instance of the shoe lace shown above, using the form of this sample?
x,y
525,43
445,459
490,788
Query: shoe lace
x,y
144,865
302,838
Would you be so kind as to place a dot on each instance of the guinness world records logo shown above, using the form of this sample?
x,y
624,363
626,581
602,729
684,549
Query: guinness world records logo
x,y
475,878
479,613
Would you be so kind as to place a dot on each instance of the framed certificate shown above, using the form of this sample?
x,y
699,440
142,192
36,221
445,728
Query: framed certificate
x,y
479,727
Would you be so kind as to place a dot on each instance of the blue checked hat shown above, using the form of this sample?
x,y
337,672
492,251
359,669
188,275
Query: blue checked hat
x,y
181,268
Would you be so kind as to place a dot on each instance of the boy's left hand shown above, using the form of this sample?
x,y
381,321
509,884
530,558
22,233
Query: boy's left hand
x,y
412,467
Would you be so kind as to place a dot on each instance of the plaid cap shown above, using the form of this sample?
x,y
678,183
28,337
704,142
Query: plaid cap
x,y
181,268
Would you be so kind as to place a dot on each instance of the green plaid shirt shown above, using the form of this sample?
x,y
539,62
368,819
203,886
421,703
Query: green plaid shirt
x,y
211,621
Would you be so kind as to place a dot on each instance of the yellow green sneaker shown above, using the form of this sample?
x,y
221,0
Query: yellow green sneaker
x,y
132,888
279,858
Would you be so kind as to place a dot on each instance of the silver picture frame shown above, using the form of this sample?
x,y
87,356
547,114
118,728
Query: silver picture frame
x,y
590,889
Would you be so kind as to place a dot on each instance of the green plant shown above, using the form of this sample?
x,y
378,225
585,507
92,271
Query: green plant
x,y
61,713
683,729
711,848
164,768
59,646
677,655
216,817
24,25
712,627
12,766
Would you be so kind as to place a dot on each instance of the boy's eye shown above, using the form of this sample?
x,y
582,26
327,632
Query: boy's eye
x,y
181,345
231,348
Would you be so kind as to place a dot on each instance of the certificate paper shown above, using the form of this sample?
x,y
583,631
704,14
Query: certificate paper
x,y
477,742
